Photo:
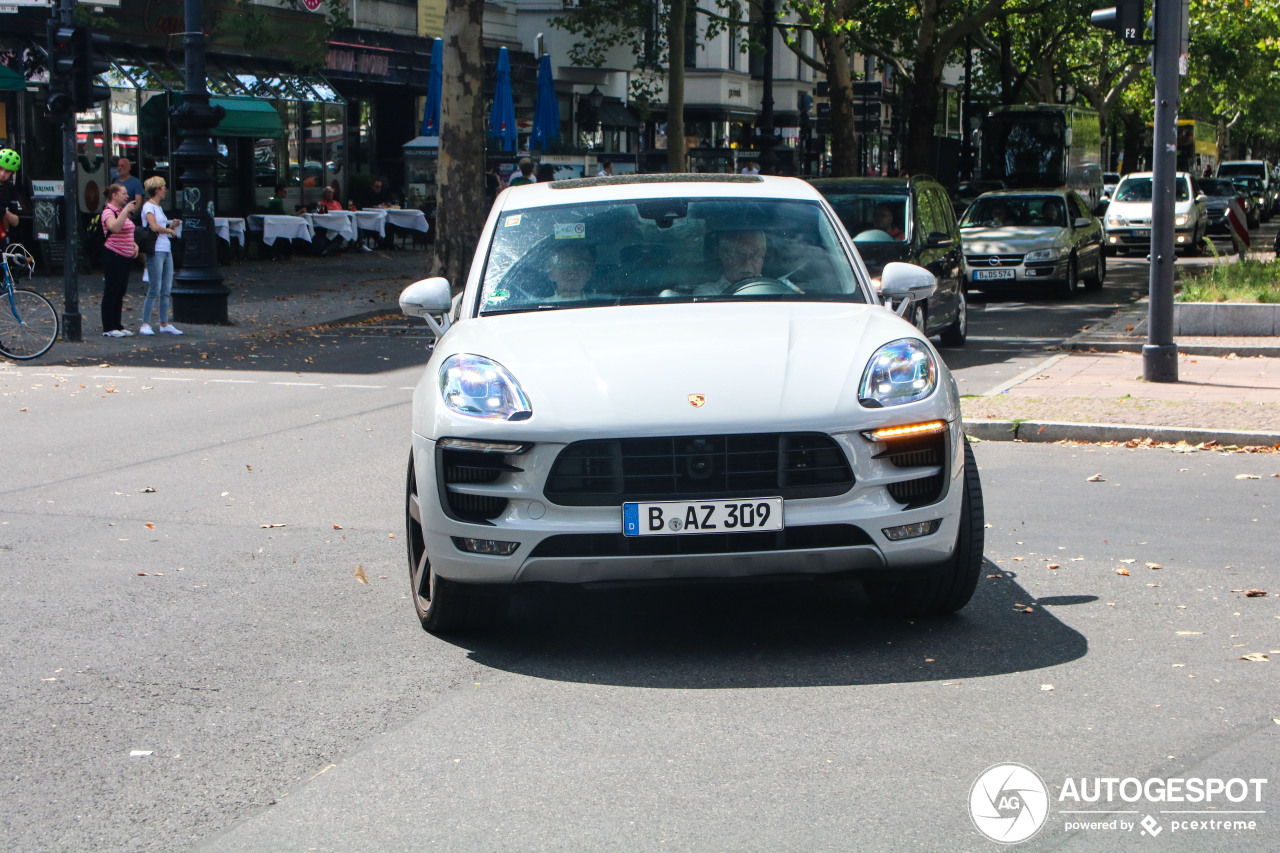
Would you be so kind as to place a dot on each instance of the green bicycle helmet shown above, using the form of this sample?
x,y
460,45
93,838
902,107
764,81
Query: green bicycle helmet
x,y
10,160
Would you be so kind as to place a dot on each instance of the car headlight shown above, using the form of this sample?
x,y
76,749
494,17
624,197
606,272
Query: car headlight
x,y
478,387
1115,220
1046,254
901,371
1180,220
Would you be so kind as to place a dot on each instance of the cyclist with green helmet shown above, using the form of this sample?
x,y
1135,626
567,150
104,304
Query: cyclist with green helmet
x,y
9,205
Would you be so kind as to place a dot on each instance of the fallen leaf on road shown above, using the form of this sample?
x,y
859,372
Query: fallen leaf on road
x,y
1044,687
1122,571
273,524
1054,566
360,575
1128,560
148,491
1256,657
1188,633
1253,593
1154,566
337,527
1016,559
1247,477
1024,608
150,526
1096,478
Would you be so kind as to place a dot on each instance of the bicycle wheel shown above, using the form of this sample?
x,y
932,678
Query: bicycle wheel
x,y
28,325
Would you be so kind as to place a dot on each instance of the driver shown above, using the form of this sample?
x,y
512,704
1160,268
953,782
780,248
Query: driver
x,y
570,268
741,255
883,218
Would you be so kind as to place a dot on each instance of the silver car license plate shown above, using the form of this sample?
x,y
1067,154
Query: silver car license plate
x,y
1142,232
988,275
668,518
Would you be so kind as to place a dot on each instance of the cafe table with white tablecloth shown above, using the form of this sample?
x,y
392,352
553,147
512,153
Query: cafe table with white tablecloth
x,y
372,219
276,226
411,220
339,222
230,228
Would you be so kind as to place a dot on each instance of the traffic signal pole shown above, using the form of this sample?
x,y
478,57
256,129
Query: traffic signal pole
x,y
1160,355
72,328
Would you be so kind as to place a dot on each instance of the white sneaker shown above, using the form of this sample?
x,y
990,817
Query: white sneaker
x,y
365,248
145,329
125,333
168,329
116,333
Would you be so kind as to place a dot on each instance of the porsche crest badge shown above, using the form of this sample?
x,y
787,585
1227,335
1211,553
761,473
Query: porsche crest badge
x,y
696,400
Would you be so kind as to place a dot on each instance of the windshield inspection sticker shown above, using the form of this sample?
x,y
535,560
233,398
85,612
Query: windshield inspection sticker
x,y
572,231
512,221
498,296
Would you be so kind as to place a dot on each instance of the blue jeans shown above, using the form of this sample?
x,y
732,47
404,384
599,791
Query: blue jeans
x,y
160,285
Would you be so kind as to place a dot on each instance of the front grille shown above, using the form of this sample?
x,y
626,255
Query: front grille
x,y
466,467
919,451
592,545
1000,260
608,472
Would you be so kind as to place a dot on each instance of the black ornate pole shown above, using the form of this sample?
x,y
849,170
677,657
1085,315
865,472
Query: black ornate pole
x,y
199,296
768,160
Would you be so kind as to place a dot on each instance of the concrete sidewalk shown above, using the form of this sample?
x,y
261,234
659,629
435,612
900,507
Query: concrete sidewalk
x,y
1228,390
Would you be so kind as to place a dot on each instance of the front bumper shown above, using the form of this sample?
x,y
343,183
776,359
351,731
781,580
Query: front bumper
x,y
584,544
1024,274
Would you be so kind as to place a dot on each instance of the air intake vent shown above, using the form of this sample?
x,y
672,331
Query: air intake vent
x,y
610,471
460,468
920,451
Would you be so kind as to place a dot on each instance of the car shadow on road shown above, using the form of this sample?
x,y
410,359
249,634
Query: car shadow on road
x,y
770,635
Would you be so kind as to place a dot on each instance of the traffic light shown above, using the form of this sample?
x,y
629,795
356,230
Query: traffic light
x,y
89,63
58,103
1124,19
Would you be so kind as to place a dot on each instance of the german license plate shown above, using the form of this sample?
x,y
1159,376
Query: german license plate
x,y
669,518
988,275
1142,232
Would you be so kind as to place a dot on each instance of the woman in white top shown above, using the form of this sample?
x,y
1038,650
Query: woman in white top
x,y
160,264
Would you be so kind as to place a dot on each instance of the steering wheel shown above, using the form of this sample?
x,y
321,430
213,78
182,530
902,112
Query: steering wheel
x,y
761,285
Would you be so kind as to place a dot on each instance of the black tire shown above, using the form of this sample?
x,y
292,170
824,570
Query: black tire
x,y
954,335
444,606
1099,277
28,325
1067,288
952,587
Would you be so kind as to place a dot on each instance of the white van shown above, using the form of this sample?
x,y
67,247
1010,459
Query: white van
x,y
1255,169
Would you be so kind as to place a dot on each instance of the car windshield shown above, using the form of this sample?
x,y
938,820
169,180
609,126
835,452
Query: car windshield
x,y
872,215
647,251
1249,184
1140,189
1020,211
1209,186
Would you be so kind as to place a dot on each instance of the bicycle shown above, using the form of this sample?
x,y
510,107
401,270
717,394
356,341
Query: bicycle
x,y
28,321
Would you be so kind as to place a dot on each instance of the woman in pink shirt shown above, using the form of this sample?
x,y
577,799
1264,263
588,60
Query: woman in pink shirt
x,y
117,257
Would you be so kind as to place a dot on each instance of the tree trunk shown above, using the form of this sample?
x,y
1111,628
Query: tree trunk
x,y
922,115
844,136
460,208
677,154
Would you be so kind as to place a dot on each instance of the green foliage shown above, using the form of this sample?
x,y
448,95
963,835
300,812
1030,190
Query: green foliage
x,y
1246,281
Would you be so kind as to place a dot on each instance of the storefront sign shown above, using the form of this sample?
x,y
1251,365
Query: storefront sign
x,y
361,63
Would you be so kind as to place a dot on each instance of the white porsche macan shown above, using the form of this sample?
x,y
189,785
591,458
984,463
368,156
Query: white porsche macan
x,y
681,377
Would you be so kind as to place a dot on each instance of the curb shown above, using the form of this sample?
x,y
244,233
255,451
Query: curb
x,y
1050,431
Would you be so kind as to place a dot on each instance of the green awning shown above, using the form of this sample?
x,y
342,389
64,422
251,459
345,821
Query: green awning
x,y
245,116
11,81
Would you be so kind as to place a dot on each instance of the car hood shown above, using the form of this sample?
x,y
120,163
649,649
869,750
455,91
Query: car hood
x,y
1141,210
1014,240
758,366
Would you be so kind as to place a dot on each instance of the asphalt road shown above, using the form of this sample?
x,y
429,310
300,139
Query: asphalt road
x,y
195,661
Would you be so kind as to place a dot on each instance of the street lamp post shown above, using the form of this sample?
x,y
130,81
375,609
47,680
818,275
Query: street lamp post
x,y
768,159
199,296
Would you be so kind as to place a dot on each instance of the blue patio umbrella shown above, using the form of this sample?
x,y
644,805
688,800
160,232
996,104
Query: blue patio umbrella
x,y
502,118
546,115
431,115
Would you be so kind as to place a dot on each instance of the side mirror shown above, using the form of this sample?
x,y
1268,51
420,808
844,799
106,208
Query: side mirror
x,y
430,299
938,240
1201,197
1080,222
907,282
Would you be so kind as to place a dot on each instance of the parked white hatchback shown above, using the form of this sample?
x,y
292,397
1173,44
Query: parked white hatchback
x,y
676,377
